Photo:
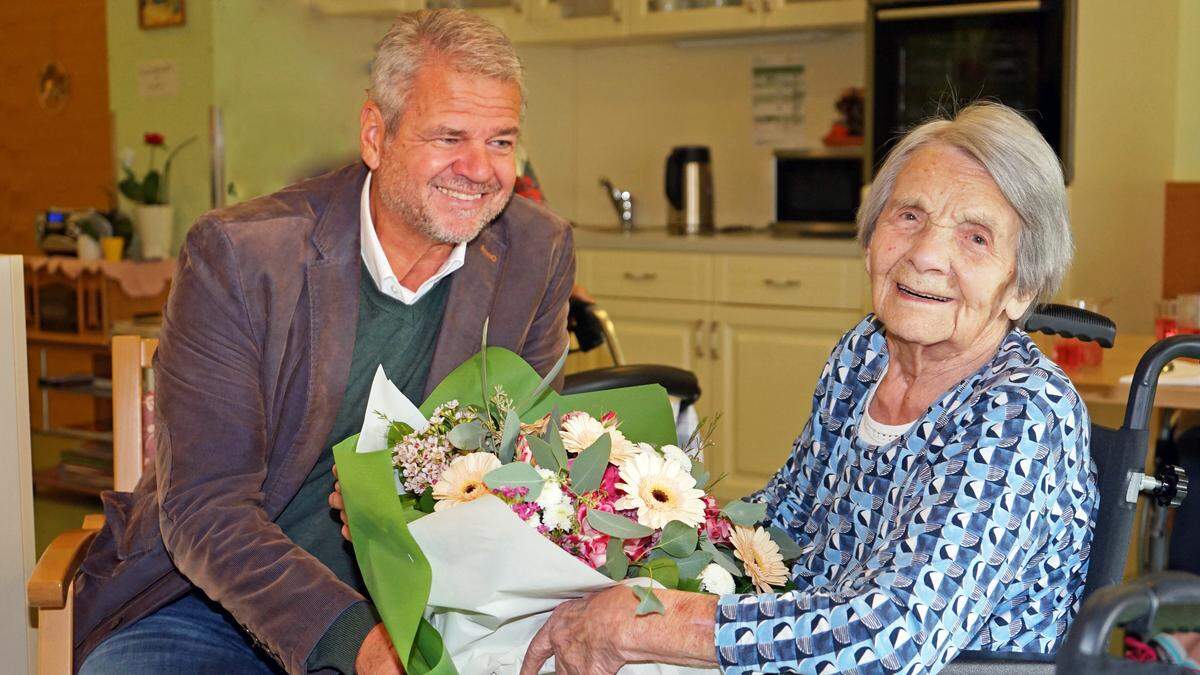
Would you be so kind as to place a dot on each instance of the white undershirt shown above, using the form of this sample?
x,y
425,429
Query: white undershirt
x,y
381,270
877,433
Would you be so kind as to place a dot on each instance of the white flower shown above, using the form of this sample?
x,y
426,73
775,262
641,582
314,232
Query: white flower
x,y
623,449
462,481
127,157
579,430
716,580
661,491
552,495
677,455
760,556
534,520
558,517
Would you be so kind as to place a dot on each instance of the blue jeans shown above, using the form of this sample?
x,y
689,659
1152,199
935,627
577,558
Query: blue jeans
x,y
191,635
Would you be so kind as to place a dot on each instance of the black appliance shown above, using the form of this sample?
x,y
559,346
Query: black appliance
x,y
817,193
930,56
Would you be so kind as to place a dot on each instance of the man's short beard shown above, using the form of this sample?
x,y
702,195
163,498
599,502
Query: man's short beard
x,y
413,210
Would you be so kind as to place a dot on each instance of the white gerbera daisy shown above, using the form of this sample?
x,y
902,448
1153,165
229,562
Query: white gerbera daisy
x,y
661,491
462,481
579,430
676,454
623,449
760,556
716,580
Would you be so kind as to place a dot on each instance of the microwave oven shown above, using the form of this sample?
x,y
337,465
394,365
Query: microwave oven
x,y
817,193
932,56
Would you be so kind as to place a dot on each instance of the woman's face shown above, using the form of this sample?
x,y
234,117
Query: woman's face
x,y
943,256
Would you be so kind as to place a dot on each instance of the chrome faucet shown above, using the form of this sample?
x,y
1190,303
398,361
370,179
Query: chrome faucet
x,y
622,201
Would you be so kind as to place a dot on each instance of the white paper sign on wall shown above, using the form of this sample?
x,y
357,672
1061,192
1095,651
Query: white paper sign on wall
x,y
158,79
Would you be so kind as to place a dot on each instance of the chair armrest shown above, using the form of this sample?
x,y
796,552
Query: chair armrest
x,y
52,576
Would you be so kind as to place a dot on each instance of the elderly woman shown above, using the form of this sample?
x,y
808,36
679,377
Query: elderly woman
x,y
941,491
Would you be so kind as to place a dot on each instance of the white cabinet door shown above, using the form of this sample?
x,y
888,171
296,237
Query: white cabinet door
x,y
692,17
814,13
578,20
764,368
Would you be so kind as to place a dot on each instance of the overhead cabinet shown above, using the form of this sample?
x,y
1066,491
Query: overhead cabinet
x,y
579,21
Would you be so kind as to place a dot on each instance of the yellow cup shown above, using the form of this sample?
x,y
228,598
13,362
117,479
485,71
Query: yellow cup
x,y
113,247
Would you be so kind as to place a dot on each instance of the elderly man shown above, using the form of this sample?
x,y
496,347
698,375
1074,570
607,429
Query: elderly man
x,y
227,558
941,492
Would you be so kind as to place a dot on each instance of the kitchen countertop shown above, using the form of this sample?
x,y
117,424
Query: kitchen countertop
x,y
758,242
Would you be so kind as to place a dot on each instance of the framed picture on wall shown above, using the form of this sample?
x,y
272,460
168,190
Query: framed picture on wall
x,y
160,13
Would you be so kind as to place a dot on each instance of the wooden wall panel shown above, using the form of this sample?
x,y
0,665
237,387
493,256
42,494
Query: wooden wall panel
x,y
1181,241
52,158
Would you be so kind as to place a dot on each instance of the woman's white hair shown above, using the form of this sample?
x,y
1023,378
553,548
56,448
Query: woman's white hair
x,y
466,42
1025,169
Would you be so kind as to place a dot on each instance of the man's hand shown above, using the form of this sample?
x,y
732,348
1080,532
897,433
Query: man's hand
x,y
377,656
598,634
336,502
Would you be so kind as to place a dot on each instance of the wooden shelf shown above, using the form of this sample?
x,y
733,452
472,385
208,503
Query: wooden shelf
x,y
48,480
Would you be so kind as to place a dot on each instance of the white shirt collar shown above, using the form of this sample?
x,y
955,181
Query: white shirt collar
x,y
377,263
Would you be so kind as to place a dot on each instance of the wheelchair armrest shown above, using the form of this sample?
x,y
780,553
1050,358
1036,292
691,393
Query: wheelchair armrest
x,y
677,381
1000,663
47,586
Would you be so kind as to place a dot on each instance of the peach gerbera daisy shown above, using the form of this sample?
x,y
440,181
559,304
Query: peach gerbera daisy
x,y
760,556
462,481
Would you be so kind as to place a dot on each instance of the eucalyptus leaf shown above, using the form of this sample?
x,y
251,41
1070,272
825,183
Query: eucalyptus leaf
x,y
747,514
483,374
699,473
553,436
650,604
788,548
678,539
727,563
508,442
616,525
690,585
662,570
542,454
466,436
425,502
587,472
616,563
691,566
545,383
516,474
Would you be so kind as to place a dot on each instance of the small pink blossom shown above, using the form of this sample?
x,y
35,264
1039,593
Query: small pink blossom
x,y
715,527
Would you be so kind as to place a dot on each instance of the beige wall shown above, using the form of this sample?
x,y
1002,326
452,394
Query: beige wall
x,y
1124,153
617,111
1187,83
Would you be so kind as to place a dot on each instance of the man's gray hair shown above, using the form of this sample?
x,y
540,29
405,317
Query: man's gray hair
x,y
1025,169
466,42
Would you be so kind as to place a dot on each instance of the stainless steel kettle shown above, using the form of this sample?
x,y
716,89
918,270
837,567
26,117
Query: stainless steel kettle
x,y
688,183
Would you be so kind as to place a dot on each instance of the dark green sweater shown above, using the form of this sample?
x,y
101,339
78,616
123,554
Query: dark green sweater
x,y
402,339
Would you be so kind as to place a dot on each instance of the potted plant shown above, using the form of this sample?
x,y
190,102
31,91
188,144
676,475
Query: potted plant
x,y
154,216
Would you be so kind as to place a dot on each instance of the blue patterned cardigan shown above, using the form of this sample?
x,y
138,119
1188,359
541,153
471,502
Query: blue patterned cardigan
x,y
970,531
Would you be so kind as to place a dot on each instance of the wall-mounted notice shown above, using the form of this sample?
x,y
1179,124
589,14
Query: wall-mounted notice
x,y
158,79
778,92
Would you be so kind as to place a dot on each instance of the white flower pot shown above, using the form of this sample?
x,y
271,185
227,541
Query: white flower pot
x,y
86,248
155,224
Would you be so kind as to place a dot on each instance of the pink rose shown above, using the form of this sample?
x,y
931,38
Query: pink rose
x,y
523,453
716,527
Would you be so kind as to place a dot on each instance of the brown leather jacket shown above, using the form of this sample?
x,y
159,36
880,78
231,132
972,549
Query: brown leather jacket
x,y
253,358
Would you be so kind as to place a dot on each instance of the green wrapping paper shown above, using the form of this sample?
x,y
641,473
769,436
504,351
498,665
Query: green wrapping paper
x,y
396,572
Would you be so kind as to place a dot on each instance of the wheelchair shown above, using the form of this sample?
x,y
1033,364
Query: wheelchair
x,y
1155,600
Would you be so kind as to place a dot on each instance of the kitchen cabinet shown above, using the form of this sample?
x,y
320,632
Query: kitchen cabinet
x,y
583,21
755,329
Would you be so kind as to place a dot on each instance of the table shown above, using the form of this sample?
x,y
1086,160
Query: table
x,y
1101,385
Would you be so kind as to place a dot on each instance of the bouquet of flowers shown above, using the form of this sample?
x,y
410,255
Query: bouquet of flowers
x,y
513,499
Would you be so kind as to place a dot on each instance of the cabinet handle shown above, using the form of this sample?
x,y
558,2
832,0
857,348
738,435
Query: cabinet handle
x,y
751,7
516,5
698,339
641,276
713,337
616,14
781,283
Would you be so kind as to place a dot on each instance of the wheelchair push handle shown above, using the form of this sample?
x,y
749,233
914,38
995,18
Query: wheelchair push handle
x,y
1072,322
1145,376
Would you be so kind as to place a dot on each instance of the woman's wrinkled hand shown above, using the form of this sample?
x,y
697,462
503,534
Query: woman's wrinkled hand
x,y
598,634
337,503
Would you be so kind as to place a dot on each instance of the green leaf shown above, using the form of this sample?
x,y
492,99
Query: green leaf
x,y
587,471
678,539
788,548
726,562
466,436
516,474
650,604
396,432
132,189
545,383
747,514
616,525
542,454
616,563
699,473
508,442
553,436
690,585
691,566
150,188
483,373
425,502
662,570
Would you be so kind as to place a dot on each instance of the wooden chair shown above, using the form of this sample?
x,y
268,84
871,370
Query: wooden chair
x,y
51,586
